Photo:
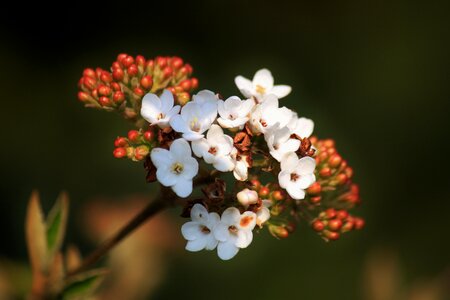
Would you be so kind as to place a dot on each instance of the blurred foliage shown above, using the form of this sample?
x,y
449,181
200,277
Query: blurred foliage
x,y
373,75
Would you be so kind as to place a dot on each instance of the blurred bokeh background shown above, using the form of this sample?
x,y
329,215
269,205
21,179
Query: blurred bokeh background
x,y
373,75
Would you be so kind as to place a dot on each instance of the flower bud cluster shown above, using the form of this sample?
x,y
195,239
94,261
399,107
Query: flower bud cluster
x,y
136,146
130,78
331,223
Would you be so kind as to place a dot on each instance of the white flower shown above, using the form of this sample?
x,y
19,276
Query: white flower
x,y
267,114
159,110
263,214
241,165
234,231
215,149
199,232
261,85
234,112
247,197
296,175
302,127
280,142
175,168
196,117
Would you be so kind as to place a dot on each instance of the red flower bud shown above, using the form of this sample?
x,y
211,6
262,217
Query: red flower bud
x,y
331,235
89,82
105,77
132,70
314,189
335,224
134,135
342,214
349,172
318,225
118,97
264,192
341,179
104,90
89,72
139,91
325,172
256,184
147,82
186,84
335,160
121,57
83,97
161,62
359,223
278,231
118,74
127,61
149,136
315,200
141,152
120,142
119,152
194,83
330,213
140,60
278,195
104,101
167,72
176,62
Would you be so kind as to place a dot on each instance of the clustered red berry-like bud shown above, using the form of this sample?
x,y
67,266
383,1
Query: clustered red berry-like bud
x,y
331,223
130,78
136,146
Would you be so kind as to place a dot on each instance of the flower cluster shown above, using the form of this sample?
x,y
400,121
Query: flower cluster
x,y
189,142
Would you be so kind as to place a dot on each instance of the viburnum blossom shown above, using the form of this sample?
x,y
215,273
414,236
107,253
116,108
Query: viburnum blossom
x,y
247,197
296,175
175,167
268,114
159,110
241,165
215,149
302,127
280,142
234,112
199,232
261,85
234,232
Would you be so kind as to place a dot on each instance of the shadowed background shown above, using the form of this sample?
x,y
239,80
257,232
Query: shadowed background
x,y
374,76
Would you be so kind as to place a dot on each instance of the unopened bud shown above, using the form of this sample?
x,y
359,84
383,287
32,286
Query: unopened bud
x,y
133,136
278,195
120,142
194,83
331,235
342,214
141,152
167,72
104,90
325,172
318,225
278,231
335,224
335,160
264,192
84,97
161,62
359,223
132,70
183,98
186,84
247,197
314,189
149,136
127,61
119,152
256,184
118,74
147,82
104,101
140,60
118,97
176,62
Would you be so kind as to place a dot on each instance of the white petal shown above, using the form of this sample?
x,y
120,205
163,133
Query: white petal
x,y
166,101
289,162
295,191
262,216
224,164
281,90
231,216
221,232
192,136
244,85
244,238
284,178
247,220
221,109
191,231
190,168
215,133
306,165
196,245
180,149
183,187
304,127
199,214
227,250
306,180
161,157
179,124
204,96
240,171
211,243
263,78
166,177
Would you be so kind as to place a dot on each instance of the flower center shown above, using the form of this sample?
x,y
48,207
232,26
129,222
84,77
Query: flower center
x,y
195,126
205,230
212,150
231,117
233,229
177,168
294,176
260,89
160,116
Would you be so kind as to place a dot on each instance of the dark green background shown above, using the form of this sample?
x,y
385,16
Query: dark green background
x,y
374,75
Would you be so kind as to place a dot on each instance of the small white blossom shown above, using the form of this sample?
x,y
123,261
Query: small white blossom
x,y
302,127
234,112
261,85
215,149
196,116
200,231
241,165
159,110
263,214
247,197
296,175
267,114
280,142
234,231
175,167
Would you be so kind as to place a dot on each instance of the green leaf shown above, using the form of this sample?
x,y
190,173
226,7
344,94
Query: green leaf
x,y
56,224
83,285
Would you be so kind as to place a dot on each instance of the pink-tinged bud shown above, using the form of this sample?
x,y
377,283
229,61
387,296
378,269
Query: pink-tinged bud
x,y
149,136
118,74
106,77
359,223
335,224
120,142
167,72
194,83
133,136
330,213
89,82
89,73
341,179
83,97
139,91
342,214
161,62
104,101
278,195
140,60
141,152
118,97
247,197
104,90
318,226
256,184
185,84
264,192
176,62
119,152
147,82
325,172
132,70
331,235
334,160
127,61
278,231
314,189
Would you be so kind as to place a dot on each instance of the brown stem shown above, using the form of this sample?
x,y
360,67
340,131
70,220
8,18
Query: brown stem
x,y
151,209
